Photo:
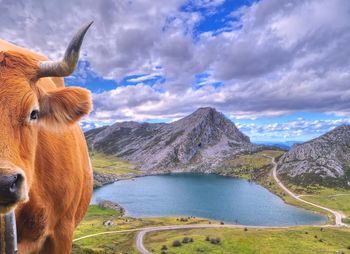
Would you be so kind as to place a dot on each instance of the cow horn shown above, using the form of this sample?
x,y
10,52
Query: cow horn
x,y
68,64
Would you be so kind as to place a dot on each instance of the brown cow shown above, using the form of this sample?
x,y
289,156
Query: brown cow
x,y
45,171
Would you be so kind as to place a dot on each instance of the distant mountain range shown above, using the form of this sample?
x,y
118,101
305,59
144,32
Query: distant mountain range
x,y
204,140
324,160
283,145
198,142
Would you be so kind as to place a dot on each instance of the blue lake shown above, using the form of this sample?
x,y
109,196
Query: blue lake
x,y
204,195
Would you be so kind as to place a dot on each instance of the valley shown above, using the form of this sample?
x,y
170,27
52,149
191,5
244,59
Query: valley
x,y
243,160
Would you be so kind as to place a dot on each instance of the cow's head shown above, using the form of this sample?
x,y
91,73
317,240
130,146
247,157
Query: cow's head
x,y
25,108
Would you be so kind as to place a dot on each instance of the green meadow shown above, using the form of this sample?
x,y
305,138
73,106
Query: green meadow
x,y
298,240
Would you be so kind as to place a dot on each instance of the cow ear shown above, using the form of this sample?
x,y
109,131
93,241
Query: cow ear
x,y
64,106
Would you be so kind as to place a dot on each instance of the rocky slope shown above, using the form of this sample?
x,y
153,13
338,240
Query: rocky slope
x,y
324,160
198,142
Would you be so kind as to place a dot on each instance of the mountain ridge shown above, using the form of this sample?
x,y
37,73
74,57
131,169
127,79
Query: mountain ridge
x,y
324,160
197,142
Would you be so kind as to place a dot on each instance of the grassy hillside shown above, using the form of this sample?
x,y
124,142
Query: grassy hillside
x,y
254,166
301,240
334,198
108,164
337,199
119,242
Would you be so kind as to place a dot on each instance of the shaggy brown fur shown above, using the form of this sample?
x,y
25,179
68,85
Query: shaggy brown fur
x,y
51,152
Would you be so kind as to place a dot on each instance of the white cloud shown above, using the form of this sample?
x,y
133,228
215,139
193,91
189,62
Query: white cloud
x,y
279,57
143,78
299,129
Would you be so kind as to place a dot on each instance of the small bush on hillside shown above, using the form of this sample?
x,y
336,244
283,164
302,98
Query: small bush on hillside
x,y
207,238
164,252
186,240
164,247
215,240
246,229
176,243
349,247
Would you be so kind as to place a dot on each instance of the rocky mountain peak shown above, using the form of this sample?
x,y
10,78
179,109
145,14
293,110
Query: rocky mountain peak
x,y
204,137
340,134
323,160
206,113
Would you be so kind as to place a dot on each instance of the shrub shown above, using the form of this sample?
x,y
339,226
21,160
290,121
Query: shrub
x,y
246,229
222,223
164,247
215,240
164,252
176,243
186,240
207,238
349,247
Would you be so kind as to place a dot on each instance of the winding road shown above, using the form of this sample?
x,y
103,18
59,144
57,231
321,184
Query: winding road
x,y
338,216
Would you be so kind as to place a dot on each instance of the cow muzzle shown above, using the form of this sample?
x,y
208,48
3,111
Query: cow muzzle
x,y
12,188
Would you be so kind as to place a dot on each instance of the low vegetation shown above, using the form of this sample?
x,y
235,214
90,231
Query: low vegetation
x,y
118,242
339,201
333,198
252,167
301,240
108,164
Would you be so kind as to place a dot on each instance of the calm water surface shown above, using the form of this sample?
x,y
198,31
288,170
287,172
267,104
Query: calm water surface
x,y
210,196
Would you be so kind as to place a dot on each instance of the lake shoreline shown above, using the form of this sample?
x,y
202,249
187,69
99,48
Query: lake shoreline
x,y
110,179
232,219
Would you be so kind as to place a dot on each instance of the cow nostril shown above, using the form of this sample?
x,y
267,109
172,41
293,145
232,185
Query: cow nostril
x,y
16,182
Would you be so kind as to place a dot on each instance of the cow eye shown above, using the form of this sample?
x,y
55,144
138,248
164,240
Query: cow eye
x,y
34,115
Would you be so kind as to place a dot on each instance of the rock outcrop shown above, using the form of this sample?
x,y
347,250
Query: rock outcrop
x,y
324,160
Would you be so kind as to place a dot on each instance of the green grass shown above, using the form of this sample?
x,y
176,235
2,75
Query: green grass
x,y
121,242
107,244
253,241
250,166
334,198
339,203
346,220
108,164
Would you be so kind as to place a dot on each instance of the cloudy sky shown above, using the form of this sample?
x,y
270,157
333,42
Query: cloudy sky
x,y
279,69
